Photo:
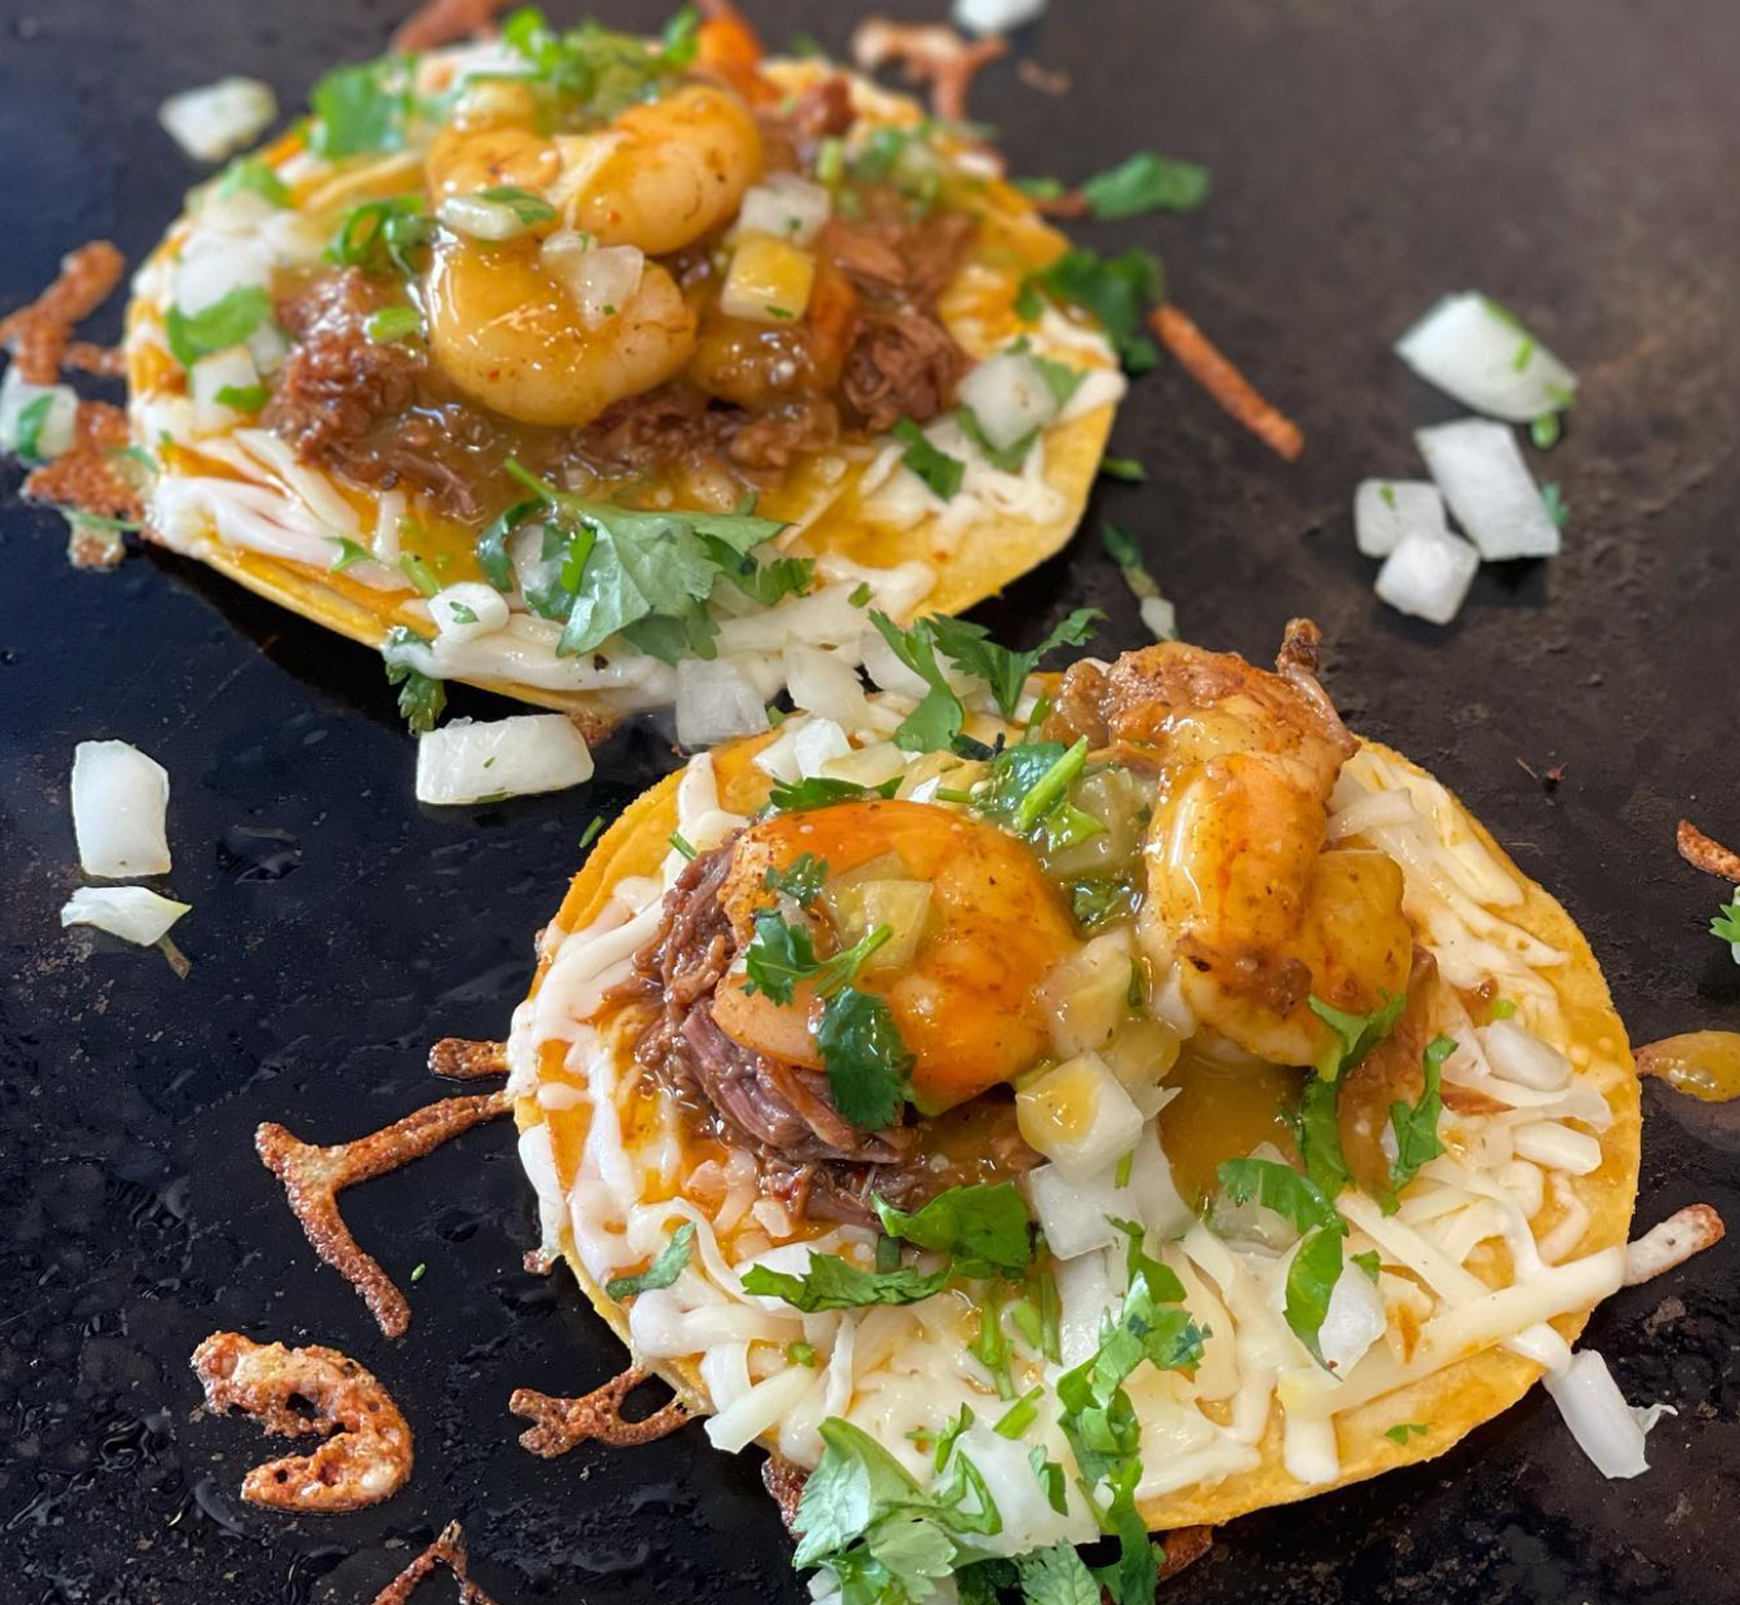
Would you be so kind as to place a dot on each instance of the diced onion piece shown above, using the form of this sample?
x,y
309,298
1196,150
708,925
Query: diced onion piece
x,y
1518,1055
995,16
58,424
769,280
1160,617
600,279
785,206
479,219
1087,996
1088,1289
212,265
465,611
211,122
1079,1116
120,805
760,1410
1142,1053
133,913
1428,576
1556,1146
1074,1215
1009,397
715,702
1354,1320
1385,511
222,370
817,743
823,684
901,905
464,762
1480,355
1480,469
1606,1428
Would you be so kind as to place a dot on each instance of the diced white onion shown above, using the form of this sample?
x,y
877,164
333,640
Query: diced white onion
x,y
817,743
213,265
1427,576
1519,1055
1480,469
463,762
222,370
472,215
1079,1116
1088,1289
785,206
1074,1215
1606,1428
1009,397
760,1410
1087,996
134,913
467,610
1354,1320
995,16
212,121
58,427
600,279
120,806
715,701
1479,355
824,684
1028,1521
1386,511
1557,1147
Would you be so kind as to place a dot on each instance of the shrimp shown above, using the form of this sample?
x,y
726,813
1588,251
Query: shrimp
x,y
967,1000
1245,911
505,329
508,335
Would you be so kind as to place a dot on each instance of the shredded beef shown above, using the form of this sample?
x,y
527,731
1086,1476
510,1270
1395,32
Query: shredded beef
x,y
770,440
678,423
812,1159
353,404
903,364
824,110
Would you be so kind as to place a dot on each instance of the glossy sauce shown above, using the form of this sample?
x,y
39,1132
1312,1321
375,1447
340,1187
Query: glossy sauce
x,y
1221,1112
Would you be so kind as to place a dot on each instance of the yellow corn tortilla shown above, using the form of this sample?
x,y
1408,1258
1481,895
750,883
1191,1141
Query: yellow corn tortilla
x,y
1451,1402
819,494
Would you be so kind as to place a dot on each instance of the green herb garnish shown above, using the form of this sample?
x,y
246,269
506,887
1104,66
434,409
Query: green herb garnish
x,y
662,1272
941,472
227,322
1146,182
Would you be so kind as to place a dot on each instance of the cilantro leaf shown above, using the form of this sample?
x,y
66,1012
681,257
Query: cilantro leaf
x,y
662,1272
1056,1576
361,109
1416,1125
856,1481
1127,469
1319,1131
530,209
1117,290
1098,901
1403,1430
492,555
393,323
941,472
819,791
765,583
970,648
801,880
253,175
1371,1262
244,398
832,1283
1726,924
1356,1034
1311,1280
227,322
985,1229
348,555
1558,509
421,696
381,236
779,955
938,718
1146,182
31,417
866,1060
1278,1187
591,69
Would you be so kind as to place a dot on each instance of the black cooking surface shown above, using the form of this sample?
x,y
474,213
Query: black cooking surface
x,y
1576,161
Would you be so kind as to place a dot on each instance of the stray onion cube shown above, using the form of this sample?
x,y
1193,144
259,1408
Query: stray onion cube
x,y
133,913
1428,576
468,762
1480,469
120,807
1385,511
212,121
1472,349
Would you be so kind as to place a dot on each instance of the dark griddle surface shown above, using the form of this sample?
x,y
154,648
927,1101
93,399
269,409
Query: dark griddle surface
x,y
1577,161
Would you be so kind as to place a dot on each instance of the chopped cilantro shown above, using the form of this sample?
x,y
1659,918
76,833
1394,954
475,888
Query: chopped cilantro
x,y
1101,900
937,719
1416,1125
244,398
594,71
985,1229
832,1283
941,472
781,955
866,1060
462,613
530,209
393,323
362,109
1311,1280
253,175
820,791
417,1271
1726,924
1278,1187
1117,290
1146,182
1371,1262
800,1354
31,417
349,554
1545,431
421,696
1355,1034
1403,1430
1121,1176
492,554
1127,469
1387,495
1127,555
860,594
1558,509
662,1272
1503,1008
1058,1575
382,236
1319,1134
801,880
227,322
765,583
1029,792
970,648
